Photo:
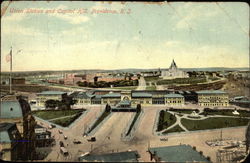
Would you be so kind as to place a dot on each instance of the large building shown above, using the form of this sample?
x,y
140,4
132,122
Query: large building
x,y
212,98
173,72
145,98
48,95
14,109
10,144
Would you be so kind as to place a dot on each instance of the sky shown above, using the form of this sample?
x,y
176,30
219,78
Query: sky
x,y
71,35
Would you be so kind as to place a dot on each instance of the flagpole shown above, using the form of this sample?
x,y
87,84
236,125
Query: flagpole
x,y
11,70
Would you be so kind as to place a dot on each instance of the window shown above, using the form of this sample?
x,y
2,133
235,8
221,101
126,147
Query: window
x,y
11,109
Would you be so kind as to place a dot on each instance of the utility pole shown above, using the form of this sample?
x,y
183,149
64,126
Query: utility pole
x,y
11,70
221,134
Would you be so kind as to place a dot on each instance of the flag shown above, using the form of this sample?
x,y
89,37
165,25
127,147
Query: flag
x,y
8,56
19,51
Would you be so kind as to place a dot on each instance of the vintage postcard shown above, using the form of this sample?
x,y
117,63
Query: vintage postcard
x,y
85,81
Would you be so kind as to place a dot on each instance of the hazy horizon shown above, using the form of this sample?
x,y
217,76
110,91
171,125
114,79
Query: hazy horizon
x,y
131,69
143,36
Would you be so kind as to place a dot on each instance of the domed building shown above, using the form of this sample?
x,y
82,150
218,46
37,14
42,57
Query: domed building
x,y
173,72
14,109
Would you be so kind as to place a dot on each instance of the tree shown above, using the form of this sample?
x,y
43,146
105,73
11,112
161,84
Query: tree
x,y
171,117
138,108
66,102
51,104
107,108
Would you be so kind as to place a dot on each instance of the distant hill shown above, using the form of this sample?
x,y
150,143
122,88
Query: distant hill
x,y
130,70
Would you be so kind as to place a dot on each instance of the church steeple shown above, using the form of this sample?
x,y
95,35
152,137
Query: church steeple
x,y
173,65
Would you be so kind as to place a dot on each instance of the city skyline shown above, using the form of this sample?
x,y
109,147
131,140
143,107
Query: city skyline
x,y
143,36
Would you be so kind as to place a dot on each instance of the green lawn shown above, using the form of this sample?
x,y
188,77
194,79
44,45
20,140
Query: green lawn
x,y
99,120
183,111
151,78
65,122
181,81
213,123
126,88
176,128
165,120
243,113
51,114
152,87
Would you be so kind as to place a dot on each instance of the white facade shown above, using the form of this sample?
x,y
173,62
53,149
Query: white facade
x,y
173,72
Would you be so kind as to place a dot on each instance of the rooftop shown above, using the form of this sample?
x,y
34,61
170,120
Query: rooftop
x,y
124,102
141,94
112,157
51,93
179,153
211,92
173,95
112,95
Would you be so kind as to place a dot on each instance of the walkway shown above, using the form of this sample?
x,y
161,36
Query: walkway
x,y
142,84
187,116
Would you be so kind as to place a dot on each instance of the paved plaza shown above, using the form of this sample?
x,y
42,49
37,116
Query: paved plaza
x,y
109,135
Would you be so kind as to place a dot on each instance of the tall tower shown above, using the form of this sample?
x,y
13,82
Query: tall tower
x,y
173,66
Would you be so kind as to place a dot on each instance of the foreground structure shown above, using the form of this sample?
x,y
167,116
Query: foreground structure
x,y
179,153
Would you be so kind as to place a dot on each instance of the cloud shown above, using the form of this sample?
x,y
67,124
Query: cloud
x,y
71,18
189,15
173,44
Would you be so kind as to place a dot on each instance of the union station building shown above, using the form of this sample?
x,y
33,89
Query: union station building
x,y
145,98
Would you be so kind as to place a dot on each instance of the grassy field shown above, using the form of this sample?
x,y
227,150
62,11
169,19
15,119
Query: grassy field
x,y
243,113
183,111
126,88
176,128
99,120
165,120
65,122
30,88
181,81
151,78
214,123
152,87
51,114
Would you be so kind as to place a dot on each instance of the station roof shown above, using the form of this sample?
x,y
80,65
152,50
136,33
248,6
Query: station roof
x,y
112,157
124,102
141,94
112,95
179,153
84,95
51,93
171,95
97,96
211,92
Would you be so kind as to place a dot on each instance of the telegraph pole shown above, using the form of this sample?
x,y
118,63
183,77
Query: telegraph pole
x,y
11,70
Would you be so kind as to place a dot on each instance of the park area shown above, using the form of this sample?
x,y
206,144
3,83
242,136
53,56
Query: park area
x,y
180,120
213,123
60,117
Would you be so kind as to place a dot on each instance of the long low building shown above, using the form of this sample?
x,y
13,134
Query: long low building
x,y
135,97
213,98
206,98
48,95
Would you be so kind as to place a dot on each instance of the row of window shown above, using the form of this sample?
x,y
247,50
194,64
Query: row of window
x,y
214,104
